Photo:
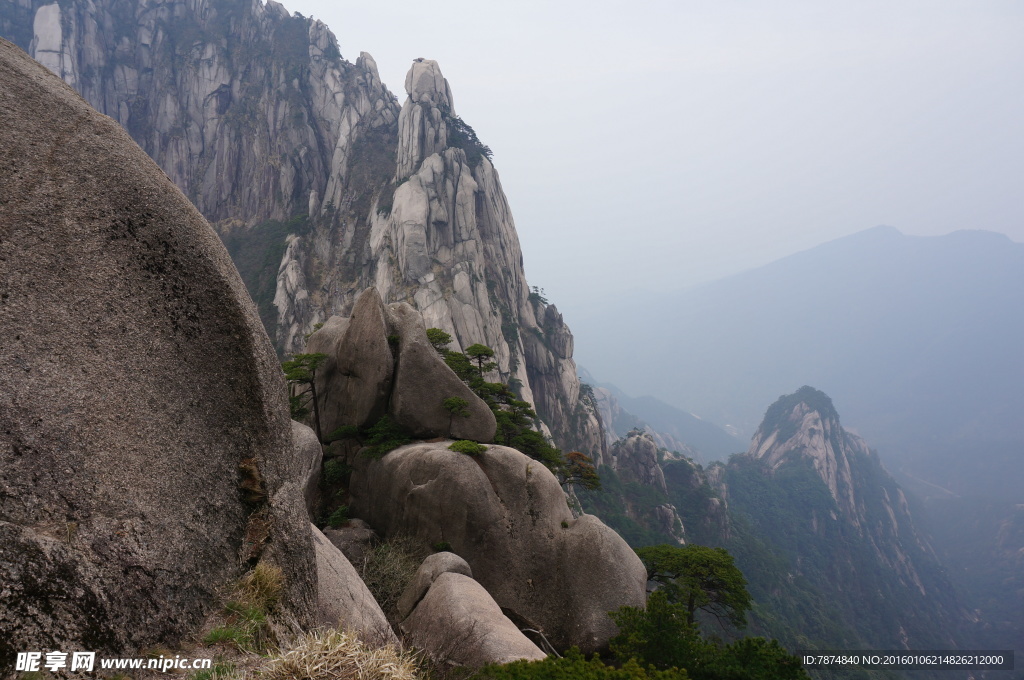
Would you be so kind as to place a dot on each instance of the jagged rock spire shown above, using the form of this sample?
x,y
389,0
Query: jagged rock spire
x,y
422,126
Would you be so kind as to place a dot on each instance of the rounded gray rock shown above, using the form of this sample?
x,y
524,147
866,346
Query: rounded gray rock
x,y
432,567
423,381
343,600
354,382
506,515
145,444
311,457
457,621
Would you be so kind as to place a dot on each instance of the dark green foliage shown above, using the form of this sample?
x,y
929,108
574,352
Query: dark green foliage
x,y
462,366
456,407
660,635
617,503
693,498
339,517
515,417
290,45
371,169
537,295
336,472
470,448
381,437
462,136
300,372
819,583
574,666
386,435
480,354
699,578
257,254
332,53
777,415
442,546
439,340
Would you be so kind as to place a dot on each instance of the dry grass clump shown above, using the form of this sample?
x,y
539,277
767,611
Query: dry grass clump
x,y
254,597
262,586
333,654
388,568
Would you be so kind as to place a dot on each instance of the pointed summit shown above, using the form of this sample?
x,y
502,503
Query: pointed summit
x,y
805,426
425,84
423,122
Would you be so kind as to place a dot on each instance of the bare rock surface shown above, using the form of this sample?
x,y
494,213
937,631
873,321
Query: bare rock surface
x,y
343,600
458,621
138,393
432,567
506,515
311,457
380,361
423,381
635,458
355,380
353,539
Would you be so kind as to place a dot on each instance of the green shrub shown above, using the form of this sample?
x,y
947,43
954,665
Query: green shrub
x,y
386,435
254,596
336,471
467,447
442,546
339,517
343,432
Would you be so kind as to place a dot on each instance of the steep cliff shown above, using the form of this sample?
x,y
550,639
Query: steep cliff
x,y
817,497
318,181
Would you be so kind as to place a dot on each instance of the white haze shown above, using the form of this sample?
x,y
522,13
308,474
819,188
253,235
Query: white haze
x,y
651,145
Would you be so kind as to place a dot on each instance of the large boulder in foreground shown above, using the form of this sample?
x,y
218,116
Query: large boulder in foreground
x,y
506,515
459,622
145,444
343,600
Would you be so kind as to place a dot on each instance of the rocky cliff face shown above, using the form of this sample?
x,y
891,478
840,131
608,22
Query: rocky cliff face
x,y
817,493
804,428
256,116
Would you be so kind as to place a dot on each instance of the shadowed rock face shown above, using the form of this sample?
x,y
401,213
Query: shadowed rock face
x,y
362,379
506,515
138,393
354,383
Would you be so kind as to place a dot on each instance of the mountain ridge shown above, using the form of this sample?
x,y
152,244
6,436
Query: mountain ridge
x,y
299,156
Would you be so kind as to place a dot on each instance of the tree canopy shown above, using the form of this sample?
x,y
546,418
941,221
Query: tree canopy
x,y
300,372
699,578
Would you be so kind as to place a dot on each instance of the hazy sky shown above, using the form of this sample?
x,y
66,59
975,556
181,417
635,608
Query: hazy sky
x,y
654,144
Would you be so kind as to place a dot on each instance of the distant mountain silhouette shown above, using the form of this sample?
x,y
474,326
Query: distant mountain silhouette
x,y
919,340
